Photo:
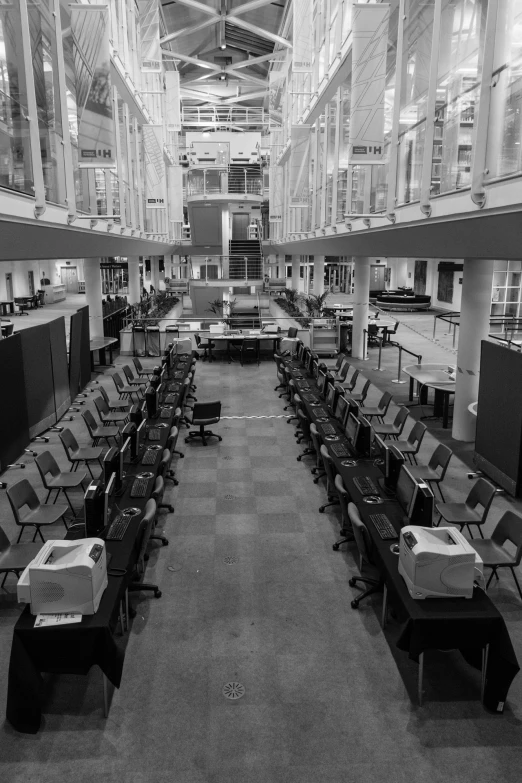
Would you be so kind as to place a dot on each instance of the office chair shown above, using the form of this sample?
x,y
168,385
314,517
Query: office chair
x,y
350,386
304,426
39,515
164,466
114,405
293,403
15,557
331,492
207,346
157,496
361,396
410,447
389,332
144,534
22,305
466,514
493,552
141,371
203,414
249,350
172,440
131,380
286,381
439,459
380,410
346,525
123,390
292,332
55,479
373,334
101,432
395,429
278,360
318,470
106,415
76,454
369,573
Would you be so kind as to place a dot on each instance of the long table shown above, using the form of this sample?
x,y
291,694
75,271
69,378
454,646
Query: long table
x,y
73,649
474,626
237,339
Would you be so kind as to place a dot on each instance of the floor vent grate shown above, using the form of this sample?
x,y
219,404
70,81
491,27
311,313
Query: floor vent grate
x,y
233,691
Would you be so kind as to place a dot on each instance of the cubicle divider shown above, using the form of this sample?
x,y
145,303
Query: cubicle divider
x,y
85,349
38,378
14,425
62,395
75,342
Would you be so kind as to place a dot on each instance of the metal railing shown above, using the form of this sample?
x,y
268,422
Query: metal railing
x,y
217,181
115,320
509,324
223,115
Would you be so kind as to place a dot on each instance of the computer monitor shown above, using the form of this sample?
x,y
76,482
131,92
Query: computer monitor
x,y
331,396
125,456
136,414
130,432
155,381
321,381
111,467
308,362
300,351
109,489
350,429
382,455
353,407
151,401
315,368
341,409
363,440
141,434
416,498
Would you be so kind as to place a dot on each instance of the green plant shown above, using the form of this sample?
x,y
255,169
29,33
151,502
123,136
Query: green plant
x,y
294,311
216,307
292,296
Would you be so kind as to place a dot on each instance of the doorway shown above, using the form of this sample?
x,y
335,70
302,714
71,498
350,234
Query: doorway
x,y
69,276
9,286
377,275
240,221
30,275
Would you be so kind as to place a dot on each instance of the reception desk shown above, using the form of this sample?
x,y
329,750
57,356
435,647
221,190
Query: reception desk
x,y
53,293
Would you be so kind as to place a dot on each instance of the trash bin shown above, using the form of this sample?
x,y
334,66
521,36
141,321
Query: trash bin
x,y
138,340
152,341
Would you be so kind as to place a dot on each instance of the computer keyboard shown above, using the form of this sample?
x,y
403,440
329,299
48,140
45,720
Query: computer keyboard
x,y
154,434
118,527
339,449
149,458
383,526
171,399
139,488
179,374
365,485
174,387
320,413
166,413
326,429
310,397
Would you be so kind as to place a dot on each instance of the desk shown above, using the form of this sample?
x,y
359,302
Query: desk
x,y
74,649
100,344
7,308
237,339
432,376
470,625
23,303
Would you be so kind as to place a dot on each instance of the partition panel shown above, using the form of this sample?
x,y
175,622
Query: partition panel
x,y
75,341
14,426
85,349
38,378
60,370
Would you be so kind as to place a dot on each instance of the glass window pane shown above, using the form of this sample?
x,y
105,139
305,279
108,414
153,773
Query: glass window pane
x,y
499,278
514,278
512,294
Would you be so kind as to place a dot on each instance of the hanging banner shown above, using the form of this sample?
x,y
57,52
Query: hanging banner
x,y
155,170
299,163
173,101
302,36
370,41
276,194
89,40
150,36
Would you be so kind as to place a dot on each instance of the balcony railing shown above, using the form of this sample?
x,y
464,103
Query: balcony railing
x,y
207,182
223,115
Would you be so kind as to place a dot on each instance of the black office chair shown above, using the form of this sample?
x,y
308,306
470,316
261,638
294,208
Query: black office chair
x,y
206,346
331,491
318,470
347,535
249,351
369,573
373,334
203,414
144,534
292,332
305,436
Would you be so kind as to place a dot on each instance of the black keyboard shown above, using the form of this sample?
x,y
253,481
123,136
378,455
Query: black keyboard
x,y
339,449
154,434
178,374
149,458
173,387
166,413
326,429
171,399
302,385
118,528
139,488
320,412
365,485
310,397
383,526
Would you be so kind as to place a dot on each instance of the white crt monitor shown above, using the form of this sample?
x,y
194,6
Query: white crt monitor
x,y
65,576
438,562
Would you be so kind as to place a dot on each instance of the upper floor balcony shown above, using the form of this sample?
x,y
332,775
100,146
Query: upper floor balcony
x,y
230,183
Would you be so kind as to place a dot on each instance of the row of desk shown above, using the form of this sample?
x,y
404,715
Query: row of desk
x,y
473,626
74,649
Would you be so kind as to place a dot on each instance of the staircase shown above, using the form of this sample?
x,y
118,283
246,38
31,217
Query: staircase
x,y
238,249
236,178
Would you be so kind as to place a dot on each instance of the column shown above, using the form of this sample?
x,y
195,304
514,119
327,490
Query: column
x,y
402,274
93,295
134,279
162,275
281,267
318,275
296,267
360,305
475,308
155,273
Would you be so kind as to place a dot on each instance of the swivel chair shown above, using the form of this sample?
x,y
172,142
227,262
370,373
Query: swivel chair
x,y
369,573
144,534
318,470
207,346
203,414
331,491
346,529
249,350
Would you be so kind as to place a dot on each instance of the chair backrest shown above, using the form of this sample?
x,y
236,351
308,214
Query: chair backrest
x,y
22,494
101,407
364,390
329,469
316,441
343,371
197,339
4,542
207,410
400,419
353,380
416,435
481,494
90,422
384,402
173,438
373,330
165,462
292,331
145,530
116,377
440,459
509,528
69,442
304,424
249,343
46,463
138,365
128,372
361,534
159,489
344,499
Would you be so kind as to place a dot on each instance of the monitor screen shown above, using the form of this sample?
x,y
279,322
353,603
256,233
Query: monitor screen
x,y
125,456
405,489
300,351
352,426
321,380
140,434
308,361
341,409
381,455
315,367
330,396
109,489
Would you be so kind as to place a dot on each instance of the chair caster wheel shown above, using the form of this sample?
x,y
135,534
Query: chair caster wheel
x,y
321,510
298,459
335,547
316,480
314,471
354,604
164,542
352,582
157,593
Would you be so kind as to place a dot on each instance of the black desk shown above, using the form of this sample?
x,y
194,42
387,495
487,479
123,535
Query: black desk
x,y
74,649
474,626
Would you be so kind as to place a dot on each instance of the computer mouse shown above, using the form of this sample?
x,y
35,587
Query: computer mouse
x,y
395,549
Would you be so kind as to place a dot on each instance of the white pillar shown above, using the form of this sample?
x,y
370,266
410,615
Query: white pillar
x,y
318,275
134,279
360,305
475,308
93,295
402,273
155,273
296,266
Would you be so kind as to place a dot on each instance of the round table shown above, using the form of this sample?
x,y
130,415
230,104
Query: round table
x,y
100,344
436,377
